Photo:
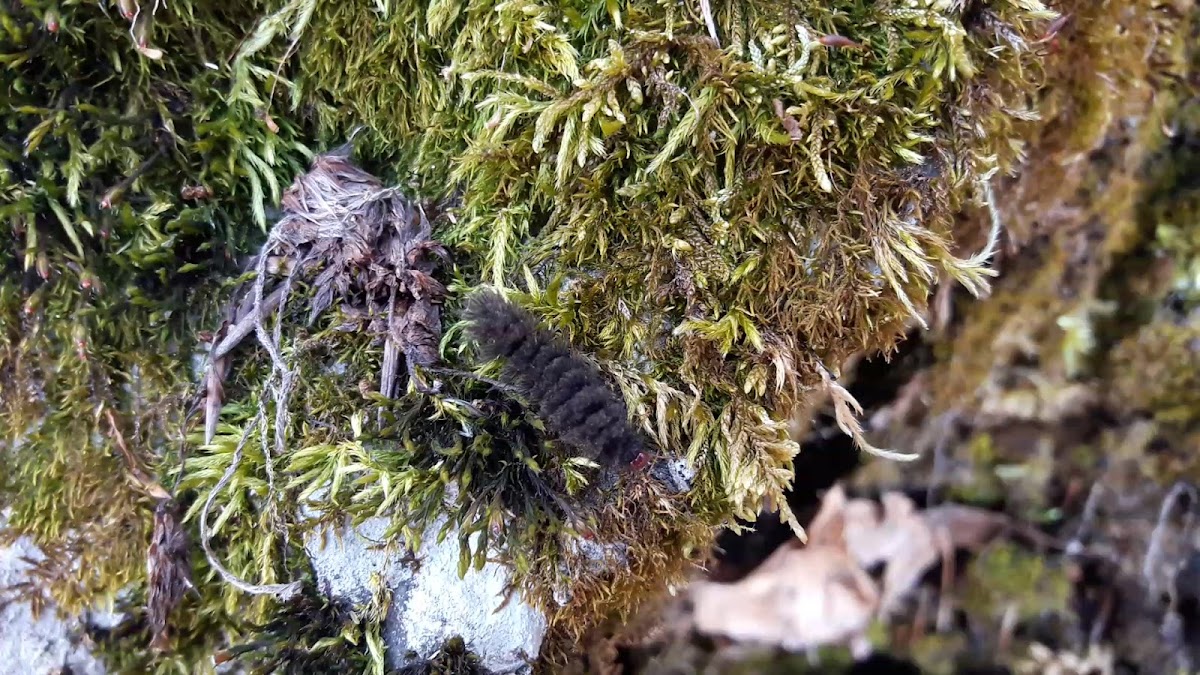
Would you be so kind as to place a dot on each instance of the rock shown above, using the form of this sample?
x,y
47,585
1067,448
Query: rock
x,y
39,645
675,473
430,604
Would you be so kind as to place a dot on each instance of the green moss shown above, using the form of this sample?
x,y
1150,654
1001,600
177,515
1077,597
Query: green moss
x,y
715,223
983,485
1174,208
1008,574
1082,212
127,187
712,222
936,653
452,659
1157,370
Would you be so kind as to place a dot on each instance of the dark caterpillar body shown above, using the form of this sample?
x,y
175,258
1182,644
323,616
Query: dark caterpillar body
x,y
570,394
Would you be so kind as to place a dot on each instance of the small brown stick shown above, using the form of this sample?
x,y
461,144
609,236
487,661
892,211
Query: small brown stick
x,y
245,325
1008,627
1090,507
706,10
391,354
917,630
1154,552
140,477
117,190
1103,617
946,595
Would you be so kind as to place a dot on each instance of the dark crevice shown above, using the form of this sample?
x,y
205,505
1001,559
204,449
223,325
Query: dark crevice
x,y
826,457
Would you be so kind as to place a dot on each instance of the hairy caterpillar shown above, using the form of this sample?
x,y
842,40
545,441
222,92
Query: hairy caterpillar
x,y
570,393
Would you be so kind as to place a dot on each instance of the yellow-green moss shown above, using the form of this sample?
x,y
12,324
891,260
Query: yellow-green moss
x,y
714,220
1006,574
1157,370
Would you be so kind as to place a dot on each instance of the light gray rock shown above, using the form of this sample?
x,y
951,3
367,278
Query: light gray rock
x,y
675,473
430,604
41,645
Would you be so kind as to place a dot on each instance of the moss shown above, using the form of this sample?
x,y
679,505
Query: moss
x,y
712,224
1008,574
983,486
713,221
452,659
307,634
1081,213
1175,202
127,184
1157,370
935,654
1099,78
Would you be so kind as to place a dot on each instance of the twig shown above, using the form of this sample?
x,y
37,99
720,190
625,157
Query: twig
x,y
390,369
1008,627
1085,522
283,591
706,10
214,395
246,324
117,190
144,481
938,474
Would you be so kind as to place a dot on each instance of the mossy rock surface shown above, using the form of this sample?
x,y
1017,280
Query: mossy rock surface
x,y
716,209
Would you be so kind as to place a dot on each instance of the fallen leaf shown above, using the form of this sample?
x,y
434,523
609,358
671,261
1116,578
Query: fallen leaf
x,y
798,599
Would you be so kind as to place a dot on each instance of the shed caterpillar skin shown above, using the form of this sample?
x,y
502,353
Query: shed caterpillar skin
x,y
569,393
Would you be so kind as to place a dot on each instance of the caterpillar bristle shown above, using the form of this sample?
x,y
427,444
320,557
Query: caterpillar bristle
x,y
568,392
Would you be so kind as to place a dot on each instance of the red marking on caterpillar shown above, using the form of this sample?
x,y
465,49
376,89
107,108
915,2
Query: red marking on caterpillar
x,y
640,462
839,41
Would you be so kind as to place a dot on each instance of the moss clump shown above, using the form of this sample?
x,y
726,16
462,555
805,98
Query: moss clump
x,y
1082,210
1157,370
1175,206
127,186
1007,574
452,659
1098,77
714,220
308,634
714,208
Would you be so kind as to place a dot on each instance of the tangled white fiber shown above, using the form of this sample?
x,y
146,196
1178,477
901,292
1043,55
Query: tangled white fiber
x,y
354,242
